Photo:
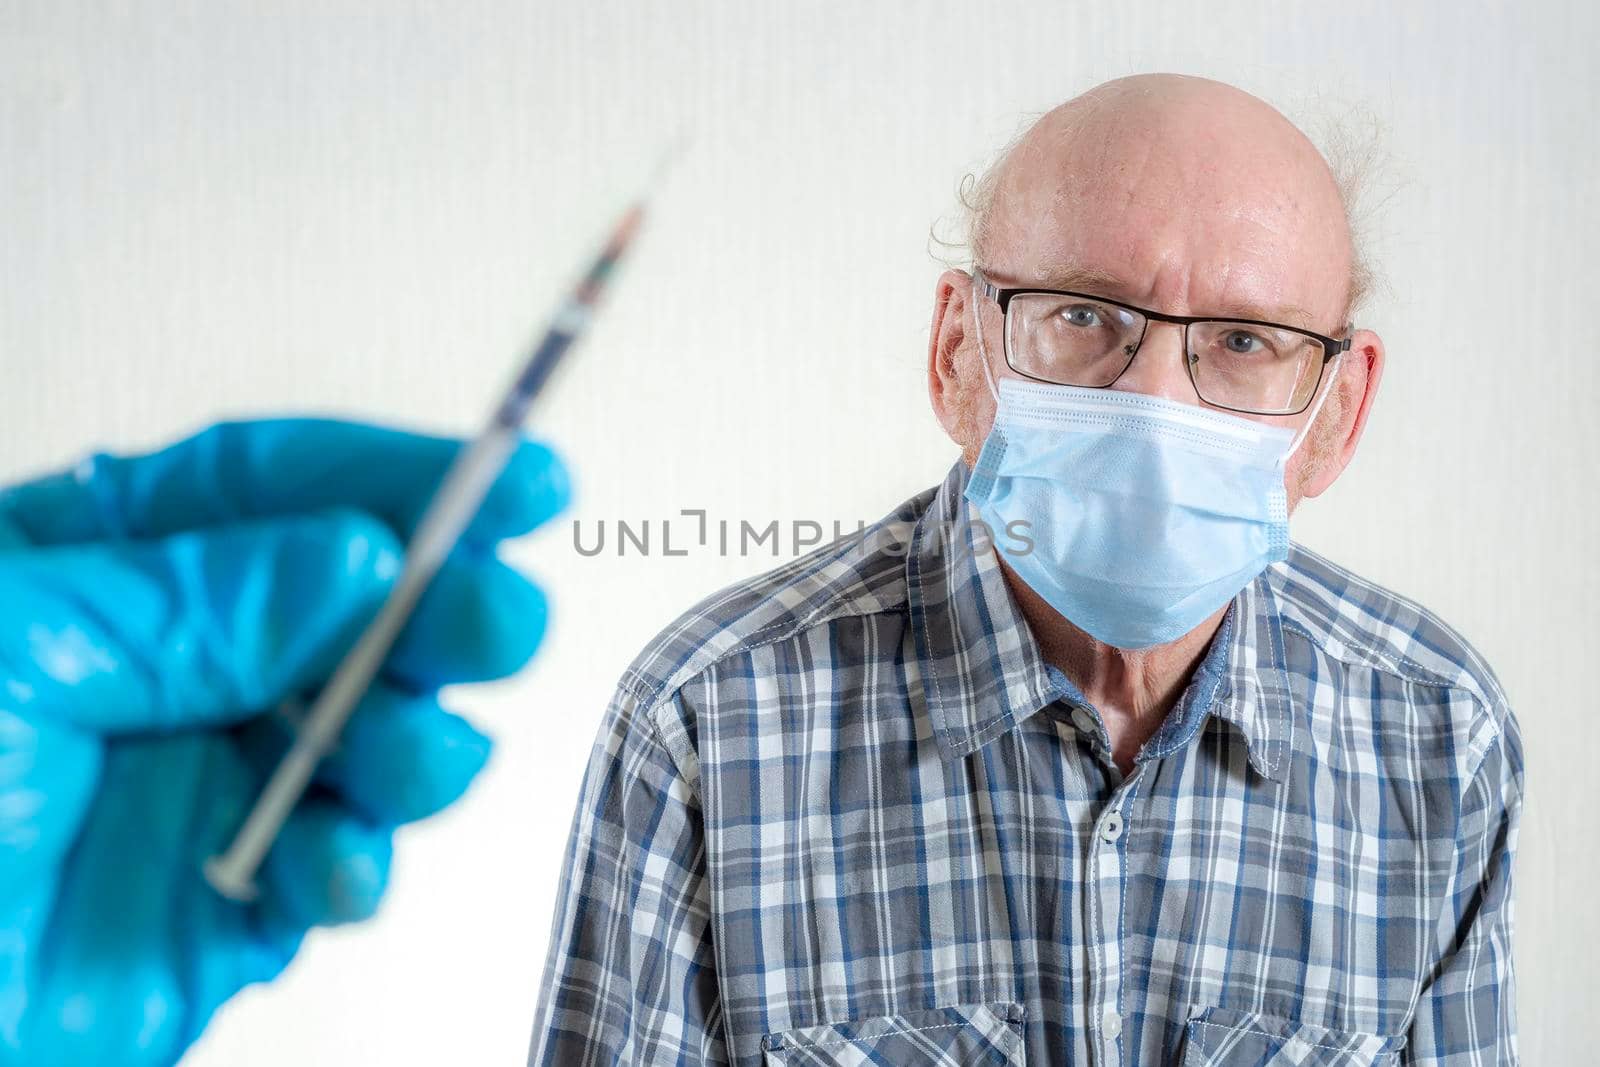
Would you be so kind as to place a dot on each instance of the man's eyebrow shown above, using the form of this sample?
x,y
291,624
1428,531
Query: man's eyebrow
x,y
1287,314
1103,283
1092,279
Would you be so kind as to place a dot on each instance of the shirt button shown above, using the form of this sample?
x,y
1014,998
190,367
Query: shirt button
x,y
1083,720
1111,829
1111,1024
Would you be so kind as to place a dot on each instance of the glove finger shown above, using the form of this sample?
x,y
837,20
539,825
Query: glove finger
x,y
403,757
48,775
328,866
11,537
219,945
479,620
119,916
254,469
400,758
201,627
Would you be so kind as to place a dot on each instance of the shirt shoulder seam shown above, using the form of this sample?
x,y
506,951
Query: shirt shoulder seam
x,y
1396,664
653,699
1485,733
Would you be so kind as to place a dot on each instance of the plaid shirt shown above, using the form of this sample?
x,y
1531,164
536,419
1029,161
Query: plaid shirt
x,y
846,814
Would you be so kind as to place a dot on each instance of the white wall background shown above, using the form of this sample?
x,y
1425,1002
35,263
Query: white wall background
x,y
224,208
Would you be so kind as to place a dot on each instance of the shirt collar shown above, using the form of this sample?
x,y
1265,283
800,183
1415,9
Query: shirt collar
x,y
982,672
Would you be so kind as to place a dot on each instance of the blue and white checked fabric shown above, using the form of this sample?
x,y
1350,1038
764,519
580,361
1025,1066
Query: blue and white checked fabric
x,y
845,814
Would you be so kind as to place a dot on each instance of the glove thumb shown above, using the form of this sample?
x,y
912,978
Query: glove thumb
x,y
199,628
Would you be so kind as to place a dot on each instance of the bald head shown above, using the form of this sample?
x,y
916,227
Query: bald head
x,y
1196,195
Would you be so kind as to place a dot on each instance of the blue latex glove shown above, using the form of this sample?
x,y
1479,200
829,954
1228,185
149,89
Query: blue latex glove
x,y
151,610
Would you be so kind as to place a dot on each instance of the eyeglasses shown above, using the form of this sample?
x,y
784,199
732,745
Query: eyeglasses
x,y
1244,365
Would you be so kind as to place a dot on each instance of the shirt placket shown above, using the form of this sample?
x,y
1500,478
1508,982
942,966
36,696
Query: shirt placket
x,y
1106,886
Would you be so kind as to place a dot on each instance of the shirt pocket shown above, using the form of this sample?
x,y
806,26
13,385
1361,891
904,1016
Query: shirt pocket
x,y
1222,1037
963,1035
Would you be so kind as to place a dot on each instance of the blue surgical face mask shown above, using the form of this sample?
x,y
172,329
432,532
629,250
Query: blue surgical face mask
x,y
1133,516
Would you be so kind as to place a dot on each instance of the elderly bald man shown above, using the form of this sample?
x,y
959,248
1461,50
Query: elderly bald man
x,y
1074,759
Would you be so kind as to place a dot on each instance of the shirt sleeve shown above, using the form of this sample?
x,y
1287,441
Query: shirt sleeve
x,y
630,977
1466,1015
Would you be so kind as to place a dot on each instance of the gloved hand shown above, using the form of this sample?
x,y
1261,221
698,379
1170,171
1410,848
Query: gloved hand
x,y
154,611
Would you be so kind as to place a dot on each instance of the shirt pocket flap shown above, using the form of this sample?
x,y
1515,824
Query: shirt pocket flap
x,y
1223,1037
963,1035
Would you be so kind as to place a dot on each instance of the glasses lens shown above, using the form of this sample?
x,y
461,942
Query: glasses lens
x,y
1260,369
1070,340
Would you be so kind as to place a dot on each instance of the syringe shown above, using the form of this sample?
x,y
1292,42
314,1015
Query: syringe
x,y
466,483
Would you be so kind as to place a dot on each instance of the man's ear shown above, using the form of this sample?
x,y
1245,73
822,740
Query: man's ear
x,y
945,338
1358,387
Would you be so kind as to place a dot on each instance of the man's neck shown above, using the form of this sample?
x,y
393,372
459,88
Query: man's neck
x,y
1132,689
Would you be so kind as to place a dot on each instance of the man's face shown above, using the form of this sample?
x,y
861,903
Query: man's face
x,y
1193,200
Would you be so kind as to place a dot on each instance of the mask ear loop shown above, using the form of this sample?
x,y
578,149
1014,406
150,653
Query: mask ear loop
x,y
1316,408
983,351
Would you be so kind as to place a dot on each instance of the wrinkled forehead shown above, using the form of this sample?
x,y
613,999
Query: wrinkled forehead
x,y
1220,220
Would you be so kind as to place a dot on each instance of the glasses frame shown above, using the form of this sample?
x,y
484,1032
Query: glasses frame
x,y
1332,347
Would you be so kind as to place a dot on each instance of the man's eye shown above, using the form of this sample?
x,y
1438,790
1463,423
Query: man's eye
x,y
1082,315
1241,342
